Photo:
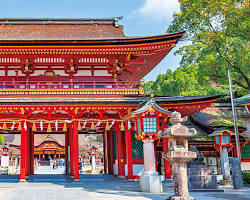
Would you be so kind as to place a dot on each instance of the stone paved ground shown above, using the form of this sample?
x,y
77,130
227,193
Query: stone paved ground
x,y
49,170
95,187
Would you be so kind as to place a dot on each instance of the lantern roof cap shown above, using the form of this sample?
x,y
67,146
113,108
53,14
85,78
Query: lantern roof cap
x,y
221,131
148,105
243,100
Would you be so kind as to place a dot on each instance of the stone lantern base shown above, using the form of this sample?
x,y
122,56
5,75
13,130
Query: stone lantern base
x,y
151,182
180,198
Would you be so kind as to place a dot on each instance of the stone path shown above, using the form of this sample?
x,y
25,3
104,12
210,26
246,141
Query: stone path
x,y
94,187
49,170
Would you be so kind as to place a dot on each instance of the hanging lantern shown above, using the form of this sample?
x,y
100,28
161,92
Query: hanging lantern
x,y
92,126
79,126
107,128
34,127
222,138
49,129
65,127
93,151
19,128
147,120
122,127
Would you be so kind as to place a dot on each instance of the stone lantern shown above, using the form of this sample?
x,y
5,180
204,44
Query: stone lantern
x,y
147,118
245,116
179,155
222,143
93,154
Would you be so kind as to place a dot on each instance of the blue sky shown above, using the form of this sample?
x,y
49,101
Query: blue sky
x,y
140,17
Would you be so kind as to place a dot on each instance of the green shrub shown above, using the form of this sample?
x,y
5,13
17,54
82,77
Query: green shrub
x,y
246,177
101,171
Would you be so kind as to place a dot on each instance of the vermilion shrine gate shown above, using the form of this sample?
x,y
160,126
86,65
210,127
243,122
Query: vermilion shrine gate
x,y
76,76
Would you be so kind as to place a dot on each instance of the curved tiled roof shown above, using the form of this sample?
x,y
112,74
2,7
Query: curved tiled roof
x,y
59,29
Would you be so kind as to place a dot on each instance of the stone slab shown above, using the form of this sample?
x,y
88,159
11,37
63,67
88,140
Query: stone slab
x,y
206,190
151,184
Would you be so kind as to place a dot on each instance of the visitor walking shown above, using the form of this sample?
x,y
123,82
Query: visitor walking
x,y
54,164
51,163
57,163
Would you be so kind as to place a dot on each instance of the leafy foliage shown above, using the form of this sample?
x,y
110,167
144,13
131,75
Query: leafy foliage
x,y
219,32
246,177
184,81
1,139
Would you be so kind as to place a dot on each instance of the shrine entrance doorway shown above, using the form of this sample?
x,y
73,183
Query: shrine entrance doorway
x,y
49,153
91,153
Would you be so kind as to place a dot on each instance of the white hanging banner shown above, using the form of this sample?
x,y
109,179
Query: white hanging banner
x,y
129,125
56,125
13,126
41,125
113,122
98,124
25,126
84,124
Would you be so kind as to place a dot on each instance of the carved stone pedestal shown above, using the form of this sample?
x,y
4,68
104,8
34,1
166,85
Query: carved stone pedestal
x,y
179,161
151,183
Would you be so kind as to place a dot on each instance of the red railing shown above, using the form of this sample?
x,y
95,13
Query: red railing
x,y
69,85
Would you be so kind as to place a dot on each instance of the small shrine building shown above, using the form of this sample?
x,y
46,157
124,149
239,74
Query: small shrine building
x,y
79,76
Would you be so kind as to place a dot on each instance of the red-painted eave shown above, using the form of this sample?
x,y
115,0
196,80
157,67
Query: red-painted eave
x,y
143,69
175,37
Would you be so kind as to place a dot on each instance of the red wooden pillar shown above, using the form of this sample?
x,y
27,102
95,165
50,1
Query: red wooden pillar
x,y
23,153
66,152
105,152
108,151
76,151
27,151
129,151
32,152
120,152
167,166
71,160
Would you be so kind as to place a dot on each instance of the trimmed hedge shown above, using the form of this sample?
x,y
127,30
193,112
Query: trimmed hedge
x,y
246,177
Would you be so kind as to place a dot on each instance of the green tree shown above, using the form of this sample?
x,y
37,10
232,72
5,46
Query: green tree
x,y
184,81
1,138
147,86
219,32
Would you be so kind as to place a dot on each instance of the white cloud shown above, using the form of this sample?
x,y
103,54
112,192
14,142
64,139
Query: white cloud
x,y
158,9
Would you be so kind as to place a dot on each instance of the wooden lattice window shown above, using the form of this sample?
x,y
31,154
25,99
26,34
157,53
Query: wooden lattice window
x,y
246,151
137,147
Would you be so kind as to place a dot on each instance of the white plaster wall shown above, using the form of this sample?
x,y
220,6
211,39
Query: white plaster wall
x,y
101,73
245,166
2,73
38,72
60,72
126,170
115,168
84,73
11,73
137,169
